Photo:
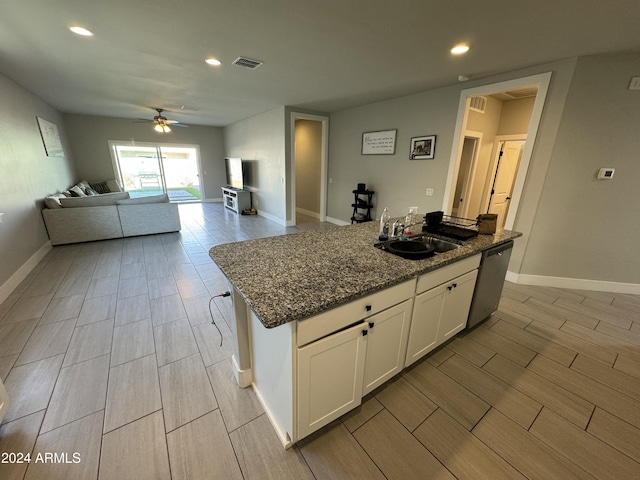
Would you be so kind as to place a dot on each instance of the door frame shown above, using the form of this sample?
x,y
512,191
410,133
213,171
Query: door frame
x,y
132,143
324,155
467,186
541,81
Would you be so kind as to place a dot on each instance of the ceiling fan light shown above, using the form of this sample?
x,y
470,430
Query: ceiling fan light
x,y
161,128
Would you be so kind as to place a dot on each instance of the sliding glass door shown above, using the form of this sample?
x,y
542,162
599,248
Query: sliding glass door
x,y
150,169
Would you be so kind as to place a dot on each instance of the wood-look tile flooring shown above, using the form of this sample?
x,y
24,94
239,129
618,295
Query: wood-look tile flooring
x,y
108,352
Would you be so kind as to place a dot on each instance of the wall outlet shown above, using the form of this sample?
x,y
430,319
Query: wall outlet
x,y
1,214
429,192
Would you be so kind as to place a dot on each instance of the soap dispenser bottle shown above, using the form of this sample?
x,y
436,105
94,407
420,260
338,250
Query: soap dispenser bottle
x,y
384,225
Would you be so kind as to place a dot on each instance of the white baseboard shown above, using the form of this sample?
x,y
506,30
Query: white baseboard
x,y
22,272
243,377
308,213
273,218
283,436
336,221
575,283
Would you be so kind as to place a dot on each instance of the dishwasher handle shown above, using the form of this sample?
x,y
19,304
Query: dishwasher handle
x,y
497,250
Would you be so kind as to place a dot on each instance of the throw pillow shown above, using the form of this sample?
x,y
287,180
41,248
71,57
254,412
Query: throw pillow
x,y
100,187
76,191
67,193
90,192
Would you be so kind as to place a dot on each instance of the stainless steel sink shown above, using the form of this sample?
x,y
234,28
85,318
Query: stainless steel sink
x,y
439,245
415,248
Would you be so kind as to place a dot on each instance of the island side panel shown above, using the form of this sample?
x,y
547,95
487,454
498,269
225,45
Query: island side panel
x,y
274,375
241,357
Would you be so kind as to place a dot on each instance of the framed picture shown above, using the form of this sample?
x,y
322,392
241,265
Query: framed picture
x,y
382,142
423,148
50,138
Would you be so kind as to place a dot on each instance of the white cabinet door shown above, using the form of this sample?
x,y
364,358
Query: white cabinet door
x,y
423,335
438,314
457,301
386,345
330,373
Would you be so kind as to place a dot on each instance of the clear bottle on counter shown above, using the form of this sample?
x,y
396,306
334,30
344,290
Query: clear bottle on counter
x,y
384,225
410,220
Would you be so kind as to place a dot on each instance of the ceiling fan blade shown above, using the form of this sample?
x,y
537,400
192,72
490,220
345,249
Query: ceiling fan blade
x,y
143,120
179,125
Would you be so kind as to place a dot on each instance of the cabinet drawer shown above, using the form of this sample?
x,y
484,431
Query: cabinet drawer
x,y
321,325
444,274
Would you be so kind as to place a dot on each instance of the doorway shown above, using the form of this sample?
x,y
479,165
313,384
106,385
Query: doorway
x,y
146,169
308,173
468,157
481,178
509,153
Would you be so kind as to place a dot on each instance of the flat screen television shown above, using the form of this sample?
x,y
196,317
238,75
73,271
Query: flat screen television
x,y
235,177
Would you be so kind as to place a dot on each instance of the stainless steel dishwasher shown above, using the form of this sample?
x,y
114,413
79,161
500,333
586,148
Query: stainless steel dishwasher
x,y
493,268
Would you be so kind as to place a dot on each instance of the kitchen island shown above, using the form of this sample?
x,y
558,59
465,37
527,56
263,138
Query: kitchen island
x,y
324,317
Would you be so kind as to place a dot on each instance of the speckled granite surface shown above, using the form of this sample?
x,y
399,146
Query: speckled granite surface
x,y
291,277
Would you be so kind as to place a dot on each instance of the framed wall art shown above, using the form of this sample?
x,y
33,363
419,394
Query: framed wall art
x,y
423,148
50,138
382,142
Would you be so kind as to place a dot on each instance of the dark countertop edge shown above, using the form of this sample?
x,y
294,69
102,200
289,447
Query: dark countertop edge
x,y
301,314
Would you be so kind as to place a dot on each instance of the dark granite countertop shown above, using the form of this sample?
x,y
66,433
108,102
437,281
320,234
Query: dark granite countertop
x,y
291,277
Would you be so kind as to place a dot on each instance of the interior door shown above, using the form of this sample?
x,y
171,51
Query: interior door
x,y
504,179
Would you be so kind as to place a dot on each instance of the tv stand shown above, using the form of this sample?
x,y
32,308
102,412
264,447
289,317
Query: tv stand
x,y
235,199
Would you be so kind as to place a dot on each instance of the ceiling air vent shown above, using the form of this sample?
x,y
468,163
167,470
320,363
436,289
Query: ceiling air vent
x,y
247,63
478,104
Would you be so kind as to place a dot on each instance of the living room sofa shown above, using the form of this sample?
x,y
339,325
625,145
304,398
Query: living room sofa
x,y
108,215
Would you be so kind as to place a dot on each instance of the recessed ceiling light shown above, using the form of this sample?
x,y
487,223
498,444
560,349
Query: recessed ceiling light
x,y
213,61
81,31
460,49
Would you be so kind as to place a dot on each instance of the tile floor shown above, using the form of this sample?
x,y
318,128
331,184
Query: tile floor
x,y
108,352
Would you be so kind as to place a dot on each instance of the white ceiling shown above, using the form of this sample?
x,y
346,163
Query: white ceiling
x,y
324,55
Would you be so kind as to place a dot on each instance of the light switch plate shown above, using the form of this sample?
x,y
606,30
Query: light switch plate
x,y
634,84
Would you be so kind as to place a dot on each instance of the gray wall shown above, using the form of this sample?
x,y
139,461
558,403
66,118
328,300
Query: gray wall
x,y
261,139
573,225
89,136
400,182
27,175
308,145
589,228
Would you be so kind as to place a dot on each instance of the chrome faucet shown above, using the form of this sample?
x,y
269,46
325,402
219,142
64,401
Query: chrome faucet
x,y
398,226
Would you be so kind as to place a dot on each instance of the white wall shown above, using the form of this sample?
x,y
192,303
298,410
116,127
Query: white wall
x,y
89,136
516,115
27,175
261,139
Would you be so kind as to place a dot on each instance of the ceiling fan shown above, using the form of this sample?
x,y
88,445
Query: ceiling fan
x,y
161,123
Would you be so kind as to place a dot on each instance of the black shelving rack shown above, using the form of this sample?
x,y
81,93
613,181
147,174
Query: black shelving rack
x,y
362,205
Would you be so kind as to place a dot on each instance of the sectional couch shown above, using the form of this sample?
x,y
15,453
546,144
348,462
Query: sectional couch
x,y
107,215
